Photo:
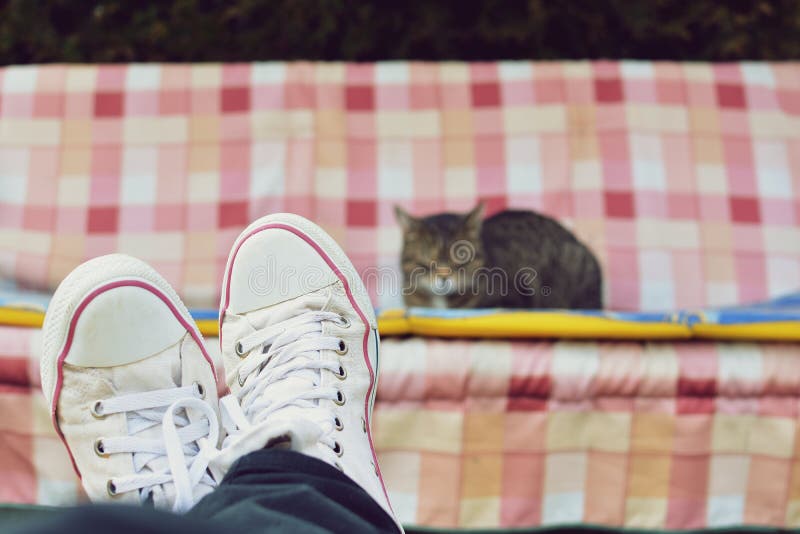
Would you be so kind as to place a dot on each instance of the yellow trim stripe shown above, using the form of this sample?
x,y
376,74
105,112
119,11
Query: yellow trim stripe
x,y
208,327
34,319
391,325
544,325
777,331
521,325
17,317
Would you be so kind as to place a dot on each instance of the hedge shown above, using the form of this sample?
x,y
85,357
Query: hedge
x,y
244,30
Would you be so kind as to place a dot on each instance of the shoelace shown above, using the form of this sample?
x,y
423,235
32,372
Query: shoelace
x,y
290,348
186,446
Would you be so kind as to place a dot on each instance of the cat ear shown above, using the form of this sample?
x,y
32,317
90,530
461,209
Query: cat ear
x,y
474,219
407,222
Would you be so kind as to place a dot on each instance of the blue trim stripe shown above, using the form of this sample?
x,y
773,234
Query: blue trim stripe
x,y
200,315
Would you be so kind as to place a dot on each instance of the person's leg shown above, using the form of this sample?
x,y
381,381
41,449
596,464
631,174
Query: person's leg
x,y
272,490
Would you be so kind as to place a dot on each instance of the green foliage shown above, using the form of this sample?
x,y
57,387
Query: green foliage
x,y
244,30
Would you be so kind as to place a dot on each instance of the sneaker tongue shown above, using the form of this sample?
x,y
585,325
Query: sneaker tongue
x,y
288,387
160,371
301,379
297,382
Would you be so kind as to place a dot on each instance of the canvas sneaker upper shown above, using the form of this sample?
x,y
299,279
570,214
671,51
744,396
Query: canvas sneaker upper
x,y
299,341
131,388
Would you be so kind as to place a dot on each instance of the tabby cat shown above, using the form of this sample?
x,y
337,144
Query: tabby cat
x,y
514,259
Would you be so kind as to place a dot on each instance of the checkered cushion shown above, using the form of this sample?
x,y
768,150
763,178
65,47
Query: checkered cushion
x,y
684,178
519,434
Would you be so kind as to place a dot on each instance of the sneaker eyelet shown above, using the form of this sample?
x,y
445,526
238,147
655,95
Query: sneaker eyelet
x,y
343,322
337,448
340,398
201,391
99,448
111,488
97,410
241,380
342,350
342,374
337,423
239,349
363,424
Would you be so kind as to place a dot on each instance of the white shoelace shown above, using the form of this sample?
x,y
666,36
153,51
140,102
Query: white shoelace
x,y
289,349
179,455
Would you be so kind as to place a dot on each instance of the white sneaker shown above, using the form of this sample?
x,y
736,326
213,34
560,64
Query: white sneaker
x,y
300,344
131,388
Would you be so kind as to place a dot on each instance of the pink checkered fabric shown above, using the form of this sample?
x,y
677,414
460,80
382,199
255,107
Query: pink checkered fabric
x,y
684,178
33,461
520,434
639,435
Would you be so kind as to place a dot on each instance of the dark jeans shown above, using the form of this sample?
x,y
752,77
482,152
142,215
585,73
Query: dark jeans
x,y
265,491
